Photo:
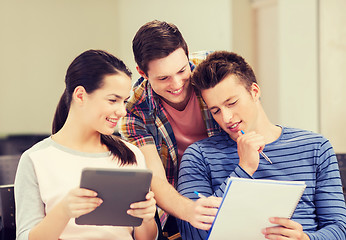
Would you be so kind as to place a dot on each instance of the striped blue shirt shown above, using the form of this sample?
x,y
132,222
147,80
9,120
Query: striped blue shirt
x,y
297,155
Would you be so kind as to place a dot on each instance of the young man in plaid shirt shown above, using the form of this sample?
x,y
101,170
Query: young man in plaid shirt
x,y
165,115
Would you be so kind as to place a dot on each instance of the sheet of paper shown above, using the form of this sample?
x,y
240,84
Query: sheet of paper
x,y
249,203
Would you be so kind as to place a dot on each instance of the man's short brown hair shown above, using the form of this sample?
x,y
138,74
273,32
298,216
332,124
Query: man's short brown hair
x,y
155,40
219,65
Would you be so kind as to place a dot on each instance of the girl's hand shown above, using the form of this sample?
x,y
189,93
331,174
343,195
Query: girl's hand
x,y
80,201
145,210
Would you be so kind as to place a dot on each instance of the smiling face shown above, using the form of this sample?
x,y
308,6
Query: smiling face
x,y
233,107
106,105
170,78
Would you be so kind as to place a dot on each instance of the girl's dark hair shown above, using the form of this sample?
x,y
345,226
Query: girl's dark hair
x,y
155,40
88,70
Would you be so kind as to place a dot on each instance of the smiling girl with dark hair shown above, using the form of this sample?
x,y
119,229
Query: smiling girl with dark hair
x,y
47,193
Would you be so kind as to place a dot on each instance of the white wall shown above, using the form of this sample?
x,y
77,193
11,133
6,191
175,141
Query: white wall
x,y
266,66
287,61
300,61
38,41
298,64
333,71
204,24
243,29
40,38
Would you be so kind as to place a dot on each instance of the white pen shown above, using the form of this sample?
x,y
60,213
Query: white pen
x,y
262,153
200,195
265,156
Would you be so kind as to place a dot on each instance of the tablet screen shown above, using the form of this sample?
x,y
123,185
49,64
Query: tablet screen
x,y
118,188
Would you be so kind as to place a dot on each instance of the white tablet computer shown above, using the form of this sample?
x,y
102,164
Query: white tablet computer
x,y
118,188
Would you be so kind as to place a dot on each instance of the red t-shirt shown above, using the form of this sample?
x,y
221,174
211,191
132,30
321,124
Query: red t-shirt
x,y
188,125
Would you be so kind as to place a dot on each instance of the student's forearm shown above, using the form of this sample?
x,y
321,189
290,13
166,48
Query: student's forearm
x,y
51,227
170,200
166,196
147,231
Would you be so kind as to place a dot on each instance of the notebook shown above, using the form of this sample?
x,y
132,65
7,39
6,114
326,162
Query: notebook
x,y
247,205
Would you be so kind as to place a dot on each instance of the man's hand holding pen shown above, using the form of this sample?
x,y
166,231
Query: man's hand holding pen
x,y
249,146
204,211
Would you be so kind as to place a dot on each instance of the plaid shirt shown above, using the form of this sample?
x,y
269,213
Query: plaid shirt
x,y
146,123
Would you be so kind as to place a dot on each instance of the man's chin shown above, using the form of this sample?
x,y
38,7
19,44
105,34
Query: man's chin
x,y
232,135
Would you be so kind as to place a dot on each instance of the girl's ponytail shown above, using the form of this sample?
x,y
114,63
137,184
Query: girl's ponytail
x,y
119,149
61,113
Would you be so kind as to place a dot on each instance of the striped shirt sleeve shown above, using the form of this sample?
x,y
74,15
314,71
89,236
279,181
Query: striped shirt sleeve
x,y
193,176
329,200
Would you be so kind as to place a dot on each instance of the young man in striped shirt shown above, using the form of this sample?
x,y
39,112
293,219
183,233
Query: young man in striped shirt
x,y
229,88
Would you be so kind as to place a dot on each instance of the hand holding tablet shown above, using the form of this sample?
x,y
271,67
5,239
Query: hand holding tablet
x,y
118,188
